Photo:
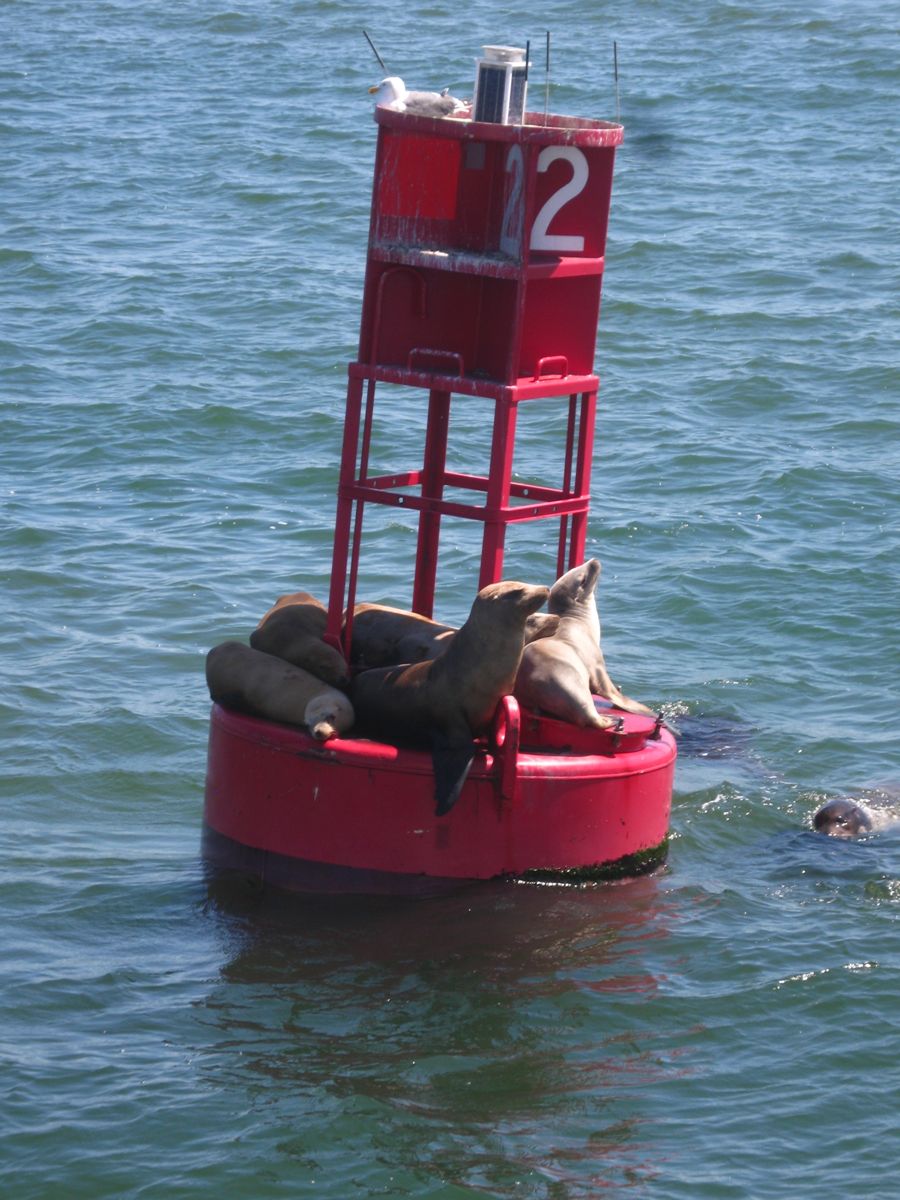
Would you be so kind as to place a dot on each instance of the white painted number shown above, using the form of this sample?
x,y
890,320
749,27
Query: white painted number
x,y
561,242
511,229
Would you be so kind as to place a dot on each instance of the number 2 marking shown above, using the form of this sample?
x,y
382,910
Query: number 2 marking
x,y
511,229
540,238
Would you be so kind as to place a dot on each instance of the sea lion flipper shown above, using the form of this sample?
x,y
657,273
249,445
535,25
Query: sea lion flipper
x,y
602,685
451,760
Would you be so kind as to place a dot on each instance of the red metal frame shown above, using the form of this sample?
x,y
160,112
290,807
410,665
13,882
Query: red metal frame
x,y
478,310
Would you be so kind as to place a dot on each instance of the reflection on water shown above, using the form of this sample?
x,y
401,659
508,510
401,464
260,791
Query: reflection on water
x,y
460,1032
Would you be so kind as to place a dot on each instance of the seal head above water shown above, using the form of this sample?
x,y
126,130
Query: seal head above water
x,y
843,818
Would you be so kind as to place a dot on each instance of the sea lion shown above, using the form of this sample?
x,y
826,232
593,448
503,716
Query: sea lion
x,y
540,625
293,629
383,636
449,700
560,674
386,637
267,686
843,818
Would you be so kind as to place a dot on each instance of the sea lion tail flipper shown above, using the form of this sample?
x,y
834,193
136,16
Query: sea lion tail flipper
x,y
451,760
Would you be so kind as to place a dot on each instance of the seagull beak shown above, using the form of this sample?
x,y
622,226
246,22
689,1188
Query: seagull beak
x,y
373,89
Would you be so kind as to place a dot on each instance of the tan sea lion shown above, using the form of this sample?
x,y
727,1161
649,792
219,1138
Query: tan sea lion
x,y
560,674
293,629
450,700
264,685
540,625
386,637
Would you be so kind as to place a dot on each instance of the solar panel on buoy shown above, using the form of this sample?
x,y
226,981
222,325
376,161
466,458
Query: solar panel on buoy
x,y
501,83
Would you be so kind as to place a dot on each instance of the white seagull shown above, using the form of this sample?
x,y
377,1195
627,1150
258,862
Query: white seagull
x,y
391,93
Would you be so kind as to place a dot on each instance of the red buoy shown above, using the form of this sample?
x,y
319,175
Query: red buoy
x,y
486,247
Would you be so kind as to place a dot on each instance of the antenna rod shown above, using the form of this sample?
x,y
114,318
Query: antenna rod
x,y
616,74
547,79
375,52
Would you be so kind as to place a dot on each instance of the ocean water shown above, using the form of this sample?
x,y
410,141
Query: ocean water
x,y
183,212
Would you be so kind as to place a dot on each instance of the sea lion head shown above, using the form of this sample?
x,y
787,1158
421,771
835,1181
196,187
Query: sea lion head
x,y
509,596
574,591
328,715
842,818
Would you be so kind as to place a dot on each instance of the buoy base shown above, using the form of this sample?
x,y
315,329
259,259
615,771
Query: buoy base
x,y
357,816
269,869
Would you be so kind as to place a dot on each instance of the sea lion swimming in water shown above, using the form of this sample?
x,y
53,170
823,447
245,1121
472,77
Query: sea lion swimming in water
x,y
875,810
843,818
560,674
847,817
449,701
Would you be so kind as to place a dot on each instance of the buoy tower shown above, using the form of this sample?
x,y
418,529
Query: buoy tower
x,y
483,278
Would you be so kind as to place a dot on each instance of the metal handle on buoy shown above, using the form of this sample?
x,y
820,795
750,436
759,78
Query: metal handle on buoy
x,y
505,736
551,360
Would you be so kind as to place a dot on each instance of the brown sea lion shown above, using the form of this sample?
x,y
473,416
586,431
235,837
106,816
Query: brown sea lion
x,y
264,685
386,637
293,629
450,700
560,674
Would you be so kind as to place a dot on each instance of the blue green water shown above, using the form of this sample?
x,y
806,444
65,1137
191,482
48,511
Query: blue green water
x,y
184,198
